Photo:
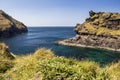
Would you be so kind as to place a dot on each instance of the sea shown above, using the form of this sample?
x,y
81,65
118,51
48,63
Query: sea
x,y
45,37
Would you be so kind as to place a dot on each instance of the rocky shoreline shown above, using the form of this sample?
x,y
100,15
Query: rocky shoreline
x,y
100,30
67,42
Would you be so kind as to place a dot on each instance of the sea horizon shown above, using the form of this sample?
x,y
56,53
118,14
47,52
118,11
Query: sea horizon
x,y
50,26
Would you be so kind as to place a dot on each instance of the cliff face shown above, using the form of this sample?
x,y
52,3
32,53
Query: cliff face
x,y
9,26
100,30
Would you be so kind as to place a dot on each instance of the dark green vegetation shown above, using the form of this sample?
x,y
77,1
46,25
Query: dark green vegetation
x,y
44,65
9,26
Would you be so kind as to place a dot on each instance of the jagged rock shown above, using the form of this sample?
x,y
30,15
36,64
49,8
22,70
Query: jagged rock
x,y
91,13
9,26
100,30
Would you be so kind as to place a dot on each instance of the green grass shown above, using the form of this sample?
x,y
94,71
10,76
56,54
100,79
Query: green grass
x,y
44,65
60,68
93,29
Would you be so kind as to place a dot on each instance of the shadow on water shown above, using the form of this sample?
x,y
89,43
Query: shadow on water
x,y
101,56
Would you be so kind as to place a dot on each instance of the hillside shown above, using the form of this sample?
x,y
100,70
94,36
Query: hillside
x,y
9,26
44,65
100,30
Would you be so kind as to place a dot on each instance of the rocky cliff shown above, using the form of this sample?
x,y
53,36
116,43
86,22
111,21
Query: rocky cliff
x,y
9,26
100,30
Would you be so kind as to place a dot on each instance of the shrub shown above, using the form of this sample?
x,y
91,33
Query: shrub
x,y
60,68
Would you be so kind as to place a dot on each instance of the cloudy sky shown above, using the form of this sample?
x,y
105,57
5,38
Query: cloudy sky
x,y
56,12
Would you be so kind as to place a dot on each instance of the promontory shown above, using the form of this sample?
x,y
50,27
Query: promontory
x,y
10,26
100,30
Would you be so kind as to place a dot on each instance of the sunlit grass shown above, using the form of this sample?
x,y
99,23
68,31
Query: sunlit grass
x,y
44,65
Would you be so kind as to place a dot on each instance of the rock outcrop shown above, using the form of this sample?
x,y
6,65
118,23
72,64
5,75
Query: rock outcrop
x,y
9,26
100,30
5,53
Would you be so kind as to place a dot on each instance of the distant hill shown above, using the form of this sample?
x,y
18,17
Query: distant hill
x,y
10,26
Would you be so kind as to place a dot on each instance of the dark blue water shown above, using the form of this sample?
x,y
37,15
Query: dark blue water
x,y
39,37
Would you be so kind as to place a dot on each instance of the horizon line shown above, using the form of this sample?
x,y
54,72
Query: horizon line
x,y
51,26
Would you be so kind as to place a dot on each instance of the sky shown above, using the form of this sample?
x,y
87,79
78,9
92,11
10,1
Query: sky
x,y
56,12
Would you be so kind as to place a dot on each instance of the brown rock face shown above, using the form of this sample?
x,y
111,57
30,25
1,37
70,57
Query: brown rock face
x,y
9,26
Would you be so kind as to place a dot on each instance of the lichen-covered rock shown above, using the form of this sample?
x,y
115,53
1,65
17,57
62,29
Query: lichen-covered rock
x,y
9,26
100,30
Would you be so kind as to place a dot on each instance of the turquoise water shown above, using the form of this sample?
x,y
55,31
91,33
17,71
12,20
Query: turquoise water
x,y
39,37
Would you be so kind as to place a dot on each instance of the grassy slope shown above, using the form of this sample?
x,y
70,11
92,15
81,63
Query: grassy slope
x,y
100,19
99,30
44,65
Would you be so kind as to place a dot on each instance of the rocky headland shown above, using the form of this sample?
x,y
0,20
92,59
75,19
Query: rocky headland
x,y
10,26
100,30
